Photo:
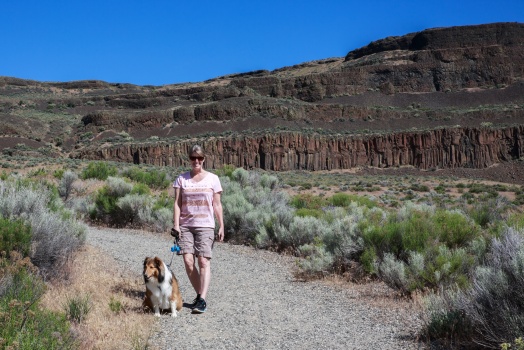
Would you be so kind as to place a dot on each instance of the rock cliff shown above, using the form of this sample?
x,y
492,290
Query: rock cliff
x,y
440,148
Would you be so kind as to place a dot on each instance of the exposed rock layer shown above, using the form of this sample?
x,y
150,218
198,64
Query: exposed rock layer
x,y
441,148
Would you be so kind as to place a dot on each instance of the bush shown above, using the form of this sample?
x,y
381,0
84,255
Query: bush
x,y
15,235
77,308
422,248
301,231
152,178
66,184
308,201
491,307
494,302
24,325
55,234
317,260
99,170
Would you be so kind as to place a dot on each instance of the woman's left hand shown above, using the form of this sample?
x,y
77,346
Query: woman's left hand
x,y
220,234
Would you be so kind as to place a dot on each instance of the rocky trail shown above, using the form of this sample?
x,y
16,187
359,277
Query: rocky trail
x,y
256,302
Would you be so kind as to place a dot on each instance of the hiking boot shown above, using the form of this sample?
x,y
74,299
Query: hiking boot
x,y
200,306
195,302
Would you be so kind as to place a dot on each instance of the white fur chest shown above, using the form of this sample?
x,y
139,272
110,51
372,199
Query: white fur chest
x,y
160,292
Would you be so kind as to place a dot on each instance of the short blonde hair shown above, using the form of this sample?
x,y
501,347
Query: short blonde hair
x,y
198,150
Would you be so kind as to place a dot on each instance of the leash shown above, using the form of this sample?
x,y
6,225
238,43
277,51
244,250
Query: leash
x,y
175,248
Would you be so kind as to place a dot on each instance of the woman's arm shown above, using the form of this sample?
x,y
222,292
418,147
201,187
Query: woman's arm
x,y
217,206
176,209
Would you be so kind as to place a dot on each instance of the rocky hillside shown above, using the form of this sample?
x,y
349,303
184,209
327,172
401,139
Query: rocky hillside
x,y
441,98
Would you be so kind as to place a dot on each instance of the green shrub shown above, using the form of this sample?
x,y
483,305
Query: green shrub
x,y
99,170
454,228
419,188
152,178
164,200
421,248
23,324
226,171
141,189
58,173
303,212
344,199
116,305
15,235
308,201
77,307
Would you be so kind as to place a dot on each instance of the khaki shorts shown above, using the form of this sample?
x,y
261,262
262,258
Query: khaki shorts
x,y
197,241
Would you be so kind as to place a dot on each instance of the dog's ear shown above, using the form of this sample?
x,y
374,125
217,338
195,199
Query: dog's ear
x,y
160,266
145,261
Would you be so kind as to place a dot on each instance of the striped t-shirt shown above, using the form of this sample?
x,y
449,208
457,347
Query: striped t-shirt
x,y
197,199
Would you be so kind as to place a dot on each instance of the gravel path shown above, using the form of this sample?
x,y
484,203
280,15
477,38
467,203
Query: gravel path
x,y
254,302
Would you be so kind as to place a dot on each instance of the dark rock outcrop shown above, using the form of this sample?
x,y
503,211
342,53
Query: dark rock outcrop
x,y
440,148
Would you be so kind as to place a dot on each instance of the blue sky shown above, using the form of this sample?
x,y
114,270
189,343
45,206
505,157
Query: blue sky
x,y
160,42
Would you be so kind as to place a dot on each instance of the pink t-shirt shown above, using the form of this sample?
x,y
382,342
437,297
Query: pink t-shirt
x,y
197,199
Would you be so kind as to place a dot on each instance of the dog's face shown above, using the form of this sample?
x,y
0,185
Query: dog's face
x,y
153,269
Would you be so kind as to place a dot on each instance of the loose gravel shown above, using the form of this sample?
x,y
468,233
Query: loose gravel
x,y
255,302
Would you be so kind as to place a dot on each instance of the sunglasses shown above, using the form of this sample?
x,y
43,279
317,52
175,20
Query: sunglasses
x,y
195,158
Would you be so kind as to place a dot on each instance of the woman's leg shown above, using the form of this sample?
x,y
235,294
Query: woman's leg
x,y
205,275
192,271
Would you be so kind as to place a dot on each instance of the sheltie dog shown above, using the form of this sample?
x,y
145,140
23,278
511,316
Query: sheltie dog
x,y
162,291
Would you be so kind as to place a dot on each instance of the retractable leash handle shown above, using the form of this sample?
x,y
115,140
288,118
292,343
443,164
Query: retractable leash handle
x,y
175,248
176,234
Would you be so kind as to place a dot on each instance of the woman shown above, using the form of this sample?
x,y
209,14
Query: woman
x,y
197,202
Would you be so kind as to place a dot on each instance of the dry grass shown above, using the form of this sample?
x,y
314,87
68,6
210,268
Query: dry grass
x,y
95,274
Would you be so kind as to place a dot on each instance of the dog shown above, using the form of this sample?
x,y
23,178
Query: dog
x,y
162,291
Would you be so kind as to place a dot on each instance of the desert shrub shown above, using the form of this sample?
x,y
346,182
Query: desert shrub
x,y
106,198
303,212
489,213
344,199
140,189
163,219
301,231
15,235
99,170
77,307
494,301
253,209
55,233
241,176
225,171
317,260
152,178
516,220
308,201
269,181
66,184
235,207
58,174
134,208
454,228
23,324
490,311
419,187
421,247
164,200
444,322
344,238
